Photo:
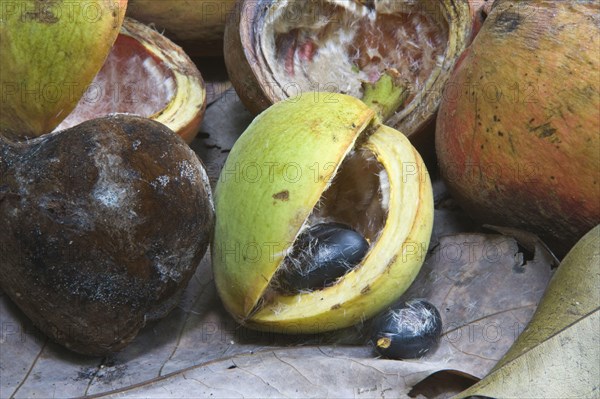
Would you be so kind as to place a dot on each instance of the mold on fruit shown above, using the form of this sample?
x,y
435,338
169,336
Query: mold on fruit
x,y
103,225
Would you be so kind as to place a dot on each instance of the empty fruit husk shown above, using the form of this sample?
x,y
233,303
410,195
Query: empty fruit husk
x,y
278,49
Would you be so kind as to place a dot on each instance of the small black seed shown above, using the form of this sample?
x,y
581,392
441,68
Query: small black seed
x,y
407,331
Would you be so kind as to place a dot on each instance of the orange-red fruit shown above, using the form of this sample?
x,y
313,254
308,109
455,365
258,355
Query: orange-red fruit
x,y
517,131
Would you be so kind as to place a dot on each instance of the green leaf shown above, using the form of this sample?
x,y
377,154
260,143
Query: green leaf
x,y
558,354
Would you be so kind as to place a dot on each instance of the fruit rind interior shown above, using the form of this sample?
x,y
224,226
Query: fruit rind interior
x,y
132,80
302,41
147,75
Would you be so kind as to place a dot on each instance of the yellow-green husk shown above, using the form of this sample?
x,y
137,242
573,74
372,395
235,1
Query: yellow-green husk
x,y
273,179
49,53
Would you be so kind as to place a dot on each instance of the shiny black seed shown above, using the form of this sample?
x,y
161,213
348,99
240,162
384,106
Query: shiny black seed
x,y
407,331
322,254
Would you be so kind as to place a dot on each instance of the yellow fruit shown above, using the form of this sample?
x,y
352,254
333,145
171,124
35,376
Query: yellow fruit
x,y
318,157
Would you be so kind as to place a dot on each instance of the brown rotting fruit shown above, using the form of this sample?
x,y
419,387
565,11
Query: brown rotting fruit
x,y
103,225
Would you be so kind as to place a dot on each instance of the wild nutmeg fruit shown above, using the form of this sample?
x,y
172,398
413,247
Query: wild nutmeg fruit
x,y
517,132
278,49
317,182
103,225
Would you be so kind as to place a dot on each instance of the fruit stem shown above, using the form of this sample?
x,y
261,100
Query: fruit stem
x,y
386,95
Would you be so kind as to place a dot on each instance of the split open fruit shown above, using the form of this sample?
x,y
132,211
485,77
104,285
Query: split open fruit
x,y
278,49
318,158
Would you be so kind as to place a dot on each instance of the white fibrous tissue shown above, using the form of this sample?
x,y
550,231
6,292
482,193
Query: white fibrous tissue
x,y
358,197
336,45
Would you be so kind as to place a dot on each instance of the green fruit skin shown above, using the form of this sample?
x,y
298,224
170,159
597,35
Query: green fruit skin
x,y
272,180
296,167
49,54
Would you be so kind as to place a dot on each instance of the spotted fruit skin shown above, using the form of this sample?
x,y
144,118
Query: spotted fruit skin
x,y
273,178
49,54
517,131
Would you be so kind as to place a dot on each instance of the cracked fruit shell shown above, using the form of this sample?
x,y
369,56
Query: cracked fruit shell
x,y
278,49
517,132
319,157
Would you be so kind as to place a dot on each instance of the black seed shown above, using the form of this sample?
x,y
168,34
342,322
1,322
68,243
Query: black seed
x,y
407,331
322,254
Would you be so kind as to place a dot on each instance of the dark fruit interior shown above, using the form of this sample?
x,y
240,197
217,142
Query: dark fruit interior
x,y
357,197
132,80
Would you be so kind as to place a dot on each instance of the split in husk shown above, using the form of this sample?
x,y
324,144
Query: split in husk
x,y
318,157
